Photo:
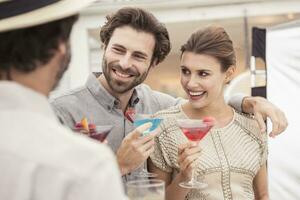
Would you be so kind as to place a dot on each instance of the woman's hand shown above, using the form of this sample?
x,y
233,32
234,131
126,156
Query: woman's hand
x,y
188,153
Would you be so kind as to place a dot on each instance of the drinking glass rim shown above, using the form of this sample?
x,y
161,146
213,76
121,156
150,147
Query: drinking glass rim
x,y
108,126
139,183
190,123
104,126
149,118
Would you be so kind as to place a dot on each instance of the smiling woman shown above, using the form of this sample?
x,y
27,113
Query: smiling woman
x,y
233,153
207,65
202,78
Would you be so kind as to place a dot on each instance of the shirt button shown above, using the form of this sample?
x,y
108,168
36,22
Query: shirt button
x,y
136,100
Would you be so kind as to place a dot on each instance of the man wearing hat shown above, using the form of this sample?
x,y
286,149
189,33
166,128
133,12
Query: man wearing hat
x,y
39,158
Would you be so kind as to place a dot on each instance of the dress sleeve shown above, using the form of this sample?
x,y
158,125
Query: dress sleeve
x,y
165,101
265,150
160,156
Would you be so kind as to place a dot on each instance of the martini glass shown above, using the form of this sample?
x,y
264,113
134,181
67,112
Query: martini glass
x,y
139,120
146,189
194,130
98,133
101,132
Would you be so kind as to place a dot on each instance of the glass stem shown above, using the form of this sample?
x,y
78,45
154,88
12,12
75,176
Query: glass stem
x,y
193,178
144,170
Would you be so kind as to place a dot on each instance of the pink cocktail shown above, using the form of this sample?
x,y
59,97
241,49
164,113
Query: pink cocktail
x,y
195,130
101,132
96,132
195,134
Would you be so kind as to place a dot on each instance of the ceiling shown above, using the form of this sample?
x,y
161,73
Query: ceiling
x,y
110,5
182,17
180,31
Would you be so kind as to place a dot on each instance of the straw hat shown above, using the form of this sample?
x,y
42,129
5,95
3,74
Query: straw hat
x,y
16,14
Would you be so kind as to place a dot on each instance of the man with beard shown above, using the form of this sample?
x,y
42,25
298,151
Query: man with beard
x,y
40,158
134,42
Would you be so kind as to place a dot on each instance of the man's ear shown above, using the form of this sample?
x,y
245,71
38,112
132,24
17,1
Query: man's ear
x,y
62,47
230,73
154,64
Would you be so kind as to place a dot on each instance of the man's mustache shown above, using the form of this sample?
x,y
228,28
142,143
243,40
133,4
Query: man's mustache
x,y
127,71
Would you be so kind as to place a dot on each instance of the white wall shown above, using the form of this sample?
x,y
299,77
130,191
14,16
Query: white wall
x,y
283,89
80,66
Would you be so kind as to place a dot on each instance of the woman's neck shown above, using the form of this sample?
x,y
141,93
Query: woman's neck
x,y
222,112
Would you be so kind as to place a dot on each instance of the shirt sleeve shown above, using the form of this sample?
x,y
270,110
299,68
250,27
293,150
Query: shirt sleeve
x,y
236,101
63,115
166,101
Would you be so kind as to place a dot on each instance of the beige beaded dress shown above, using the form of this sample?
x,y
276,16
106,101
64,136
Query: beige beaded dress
x,y
231,156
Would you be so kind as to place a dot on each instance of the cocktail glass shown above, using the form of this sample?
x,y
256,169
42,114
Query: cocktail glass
x,y
101,132
194,130
139,120
96,132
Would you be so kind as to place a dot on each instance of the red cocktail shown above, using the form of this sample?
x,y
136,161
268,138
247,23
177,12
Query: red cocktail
x,y
101,132
96,132
195,130
195,134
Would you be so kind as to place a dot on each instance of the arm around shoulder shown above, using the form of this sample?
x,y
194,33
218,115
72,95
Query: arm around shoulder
x,y
262,109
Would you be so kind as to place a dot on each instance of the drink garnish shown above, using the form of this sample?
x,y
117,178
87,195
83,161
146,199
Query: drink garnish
x,y
130,114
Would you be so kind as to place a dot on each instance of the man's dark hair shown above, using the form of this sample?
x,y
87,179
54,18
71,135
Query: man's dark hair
x,y
139,20
25,49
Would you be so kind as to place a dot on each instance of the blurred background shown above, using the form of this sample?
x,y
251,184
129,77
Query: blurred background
x,y
181,17
279,21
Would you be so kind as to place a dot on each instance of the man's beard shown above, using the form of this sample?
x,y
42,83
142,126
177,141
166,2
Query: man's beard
x,y
64,65
118,86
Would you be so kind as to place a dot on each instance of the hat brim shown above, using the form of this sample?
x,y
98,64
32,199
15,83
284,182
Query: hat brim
x,y
55,11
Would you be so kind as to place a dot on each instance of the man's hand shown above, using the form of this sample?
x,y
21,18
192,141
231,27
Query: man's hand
x,y
135,149
262,108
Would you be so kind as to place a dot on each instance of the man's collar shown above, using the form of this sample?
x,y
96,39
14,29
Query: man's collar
x,y
14,96
134,98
